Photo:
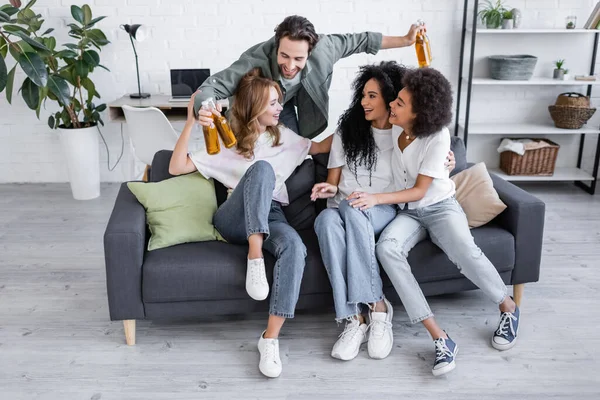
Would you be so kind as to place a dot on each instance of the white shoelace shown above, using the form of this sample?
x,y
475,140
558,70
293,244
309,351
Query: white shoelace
x,y
506,324
259,277
441,350
350,331
269,351
378,328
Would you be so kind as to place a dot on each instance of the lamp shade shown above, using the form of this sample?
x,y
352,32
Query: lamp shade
x,y
136,31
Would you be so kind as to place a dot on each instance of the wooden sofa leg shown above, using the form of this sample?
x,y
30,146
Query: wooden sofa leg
x,y
145,178
129,325
518,293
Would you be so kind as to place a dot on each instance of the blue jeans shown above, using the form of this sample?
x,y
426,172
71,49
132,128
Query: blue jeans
x,y
447,225
347,241
249,210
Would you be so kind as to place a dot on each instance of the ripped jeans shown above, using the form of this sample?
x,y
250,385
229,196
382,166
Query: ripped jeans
x,y
447,225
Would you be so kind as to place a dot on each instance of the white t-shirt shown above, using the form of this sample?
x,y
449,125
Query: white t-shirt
x,y
228,166
381,173
424,156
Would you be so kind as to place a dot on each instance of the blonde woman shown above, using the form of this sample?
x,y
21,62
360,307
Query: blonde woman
x,y
255,170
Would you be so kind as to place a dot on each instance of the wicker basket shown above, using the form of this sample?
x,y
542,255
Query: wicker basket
x,y
516,67
573,99
533,162
569,117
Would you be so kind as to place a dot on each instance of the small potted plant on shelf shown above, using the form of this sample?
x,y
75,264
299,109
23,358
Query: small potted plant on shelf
x,y
566,75
559,72
571,21
492,14
507,20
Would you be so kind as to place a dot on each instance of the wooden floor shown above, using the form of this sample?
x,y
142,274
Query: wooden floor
x,y
56,340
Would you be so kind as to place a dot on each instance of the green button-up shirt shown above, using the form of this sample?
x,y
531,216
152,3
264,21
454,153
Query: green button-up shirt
x,y
312,99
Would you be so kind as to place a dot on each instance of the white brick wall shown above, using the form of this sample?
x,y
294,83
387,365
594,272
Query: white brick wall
x,y
190,34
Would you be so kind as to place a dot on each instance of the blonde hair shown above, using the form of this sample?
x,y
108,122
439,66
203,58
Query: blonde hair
x,y
251,100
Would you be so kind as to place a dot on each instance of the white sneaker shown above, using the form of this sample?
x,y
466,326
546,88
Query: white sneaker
x,y
257,285
348,345
270,363
381,337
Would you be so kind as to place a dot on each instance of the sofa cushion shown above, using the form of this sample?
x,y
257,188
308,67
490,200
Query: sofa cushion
x,y
217,271
429,263
476,194
178,210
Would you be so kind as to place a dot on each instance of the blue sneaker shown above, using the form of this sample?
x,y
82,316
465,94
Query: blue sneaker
x,y
445,355
505,336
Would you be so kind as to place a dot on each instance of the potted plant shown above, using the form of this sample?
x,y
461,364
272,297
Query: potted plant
x,y
559,72
61,75
507,20
566,75
492,14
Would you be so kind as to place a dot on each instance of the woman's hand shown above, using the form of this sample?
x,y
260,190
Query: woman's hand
x,y
323,191
450,161
411,36
205,117
362,201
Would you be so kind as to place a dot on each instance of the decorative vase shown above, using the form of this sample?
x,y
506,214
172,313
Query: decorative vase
x,y
82,152
507,24
516,17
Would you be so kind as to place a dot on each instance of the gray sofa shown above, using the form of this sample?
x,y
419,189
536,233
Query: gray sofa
x,y
199,279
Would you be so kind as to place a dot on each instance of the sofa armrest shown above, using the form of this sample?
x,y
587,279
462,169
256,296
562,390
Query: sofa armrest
x,y
124,246
524,218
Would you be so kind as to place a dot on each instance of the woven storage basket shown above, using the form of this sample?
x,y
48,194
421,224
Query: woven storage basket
x,y
533,162
569,117
572,99
516,67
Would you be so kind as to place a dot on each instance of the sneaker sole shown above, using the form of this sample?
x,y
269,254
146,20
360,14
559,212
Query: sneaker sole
x,y
256,297
503,347
270,375
447,368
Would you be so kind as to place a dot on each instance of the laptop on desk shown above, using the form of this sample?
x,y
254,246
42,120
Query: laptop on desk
x,y
184,82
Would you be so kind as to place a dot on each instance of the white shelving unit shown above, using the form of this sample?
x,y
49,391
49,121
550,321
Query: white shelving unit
x,y
517,31
534,81
467,81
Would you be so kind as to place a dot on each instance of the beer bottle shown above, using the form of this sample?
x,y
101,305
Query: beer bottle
x,y
223,127
211,136
423,48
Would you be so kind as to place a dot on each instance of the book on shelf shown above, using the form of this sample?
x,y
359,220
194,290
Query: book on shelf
x,y
594,19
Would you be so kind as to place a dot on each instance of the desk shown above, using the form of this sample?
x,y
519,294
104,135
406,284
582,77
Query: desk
x,y
175,111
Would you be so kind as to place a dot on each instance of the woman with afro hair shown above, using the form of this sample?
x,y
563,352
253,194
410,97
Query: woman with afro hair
x,y
360,160
425,195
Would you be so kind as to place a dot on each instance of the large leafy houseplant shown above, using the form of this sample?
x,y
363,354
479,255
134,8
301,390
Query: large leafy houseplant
x,y
58,74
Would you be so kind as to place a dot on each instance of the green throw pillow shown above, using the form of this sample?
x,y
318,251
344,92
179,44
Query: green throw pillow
x,y
178,210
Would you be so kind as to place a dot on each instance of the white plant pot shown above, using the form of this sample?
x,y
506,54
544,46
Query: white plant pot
x,y
566,77
82,152
507,24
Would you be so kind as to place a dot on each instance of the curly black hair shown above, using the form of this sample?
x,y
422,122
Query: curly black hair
x,y
431,100
357,139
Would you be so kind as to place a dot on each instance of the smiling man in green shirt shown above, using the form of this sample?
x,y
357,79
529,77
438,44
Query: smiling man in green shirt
x,y
302,62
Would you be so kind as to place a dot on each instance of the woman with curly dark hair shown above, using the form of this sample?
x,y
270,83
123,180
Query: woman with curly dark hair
x,y
360,159
425,195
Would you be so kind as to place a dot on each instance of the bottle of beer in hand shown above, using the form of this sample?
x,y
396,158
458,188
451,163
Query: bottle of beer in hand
x,y
211,136
423,48
223,127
